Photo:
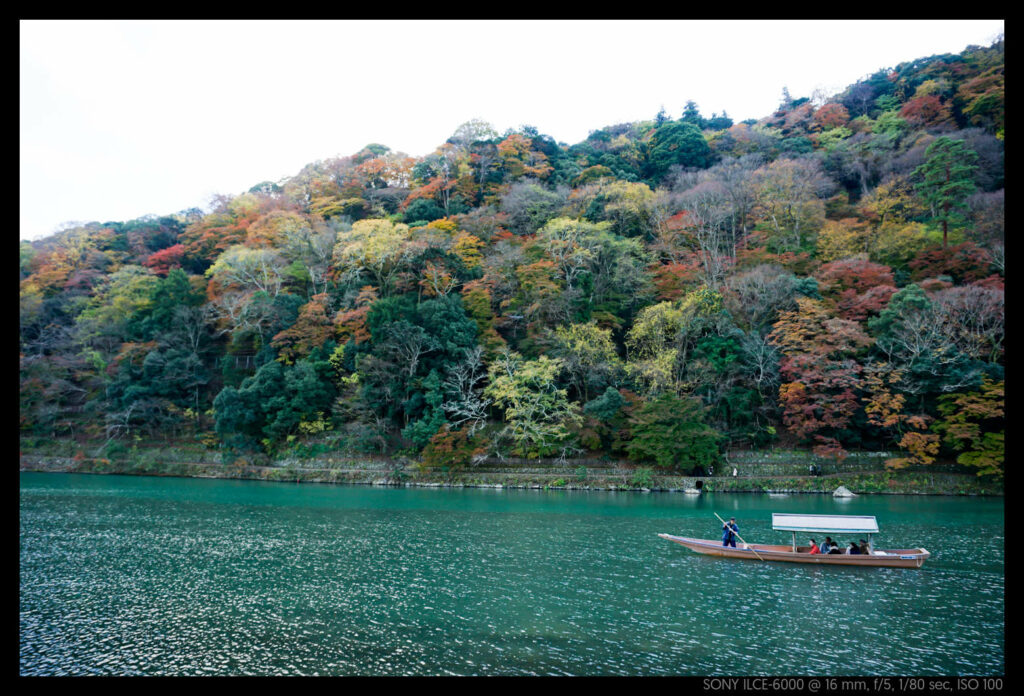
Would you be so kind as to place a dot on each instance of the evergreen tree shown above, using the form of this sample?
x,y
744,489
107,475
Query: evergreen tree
x,y
677,143
947,179
670,431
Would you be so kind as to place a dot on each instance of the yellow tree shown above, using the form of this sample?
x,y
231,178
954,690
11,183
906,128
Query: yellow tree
x,y
571,244
884,406
538,415
375,247
973,424
589,356
273,228
476,298
788,198
839,239
120,295
892,201
467,247
250,270
662,336
631,207
519,159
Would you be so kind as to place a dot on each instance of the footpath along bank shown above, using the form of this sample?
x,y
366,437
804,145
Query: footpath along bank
x,y
777,471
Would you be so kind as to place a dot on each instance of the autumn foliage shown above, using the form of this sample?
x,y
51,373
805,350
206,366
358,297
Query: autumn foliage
x,y
829,277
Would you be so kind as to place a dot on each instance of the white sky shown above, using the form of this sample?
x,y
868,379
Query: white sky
x,y
125,118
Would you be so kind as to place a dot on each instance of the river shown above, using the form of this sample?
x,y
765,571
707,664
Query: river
x,y
123,575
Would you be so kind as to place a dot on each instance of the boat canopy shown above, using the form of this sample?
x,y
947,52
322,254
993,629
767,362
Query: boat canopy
x,y
837,524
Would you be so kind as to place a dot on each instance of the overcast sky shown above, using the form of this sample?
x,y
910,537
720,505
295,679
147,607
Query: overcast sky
x,y
126,118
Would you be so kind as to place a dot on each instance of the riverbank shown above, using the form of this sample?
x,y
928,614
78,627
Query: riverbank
x,y
760,472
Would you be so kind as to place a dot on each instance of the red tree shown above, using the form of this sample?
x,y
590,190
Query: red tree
x,y
164,260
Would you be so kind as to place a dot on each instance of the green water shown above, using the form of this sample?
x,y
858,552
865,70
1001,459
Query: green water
x,y
125,575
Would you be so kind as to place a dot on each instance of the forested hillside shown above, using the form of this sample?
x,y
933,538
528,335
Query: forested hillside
x,y
830,276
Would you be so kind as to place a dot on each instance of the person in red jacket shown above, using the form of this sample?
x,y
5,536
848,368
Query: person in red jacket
x,y
814,547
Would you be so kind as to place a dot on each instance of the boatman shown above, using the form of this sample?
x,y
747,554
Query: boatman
x,y
729,530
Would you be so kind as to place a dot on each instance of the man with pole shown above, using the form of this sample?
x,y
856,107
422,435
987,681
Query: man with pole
x,y
729,530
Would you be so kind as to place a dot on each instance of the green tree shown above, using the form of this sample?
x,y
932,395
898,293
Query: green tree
x,y
606,424
947,179
691,114
166,297
269,405
670,431
421,431
915,336
529,205
410,342
677,143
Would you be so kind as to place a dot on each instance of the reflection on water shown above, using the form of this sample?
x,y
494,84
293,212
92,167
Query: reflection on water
x,y
125,575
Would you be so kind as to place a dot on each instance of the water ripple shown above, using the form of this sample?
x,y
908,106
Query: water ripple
x,y
155,576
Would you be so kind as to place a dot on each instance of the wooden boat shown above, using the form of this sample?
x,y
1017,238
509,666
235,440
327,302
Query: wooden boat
x,y
822,524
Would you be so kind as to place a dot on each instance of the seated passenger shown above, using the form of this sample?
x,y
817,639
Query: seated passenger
x,y
864,548
852,550
827,545
814,547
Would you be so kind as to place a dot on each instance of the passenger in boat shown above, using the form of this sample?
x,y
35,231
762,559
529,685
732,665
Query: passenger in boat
x,y
814,547
729,530
853,550
826,546
864,548
836,549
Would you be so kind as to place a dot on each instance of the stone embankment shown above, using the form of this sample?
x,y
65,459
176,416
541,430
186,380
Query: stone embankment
x,y
757,471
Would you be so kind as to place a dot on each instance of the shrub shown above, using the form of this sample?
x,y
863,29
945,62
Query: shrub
x,y
643,477
451,450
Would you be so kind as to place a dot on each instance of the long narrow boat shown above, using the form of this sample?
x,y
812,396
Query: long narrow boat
x,y
824,524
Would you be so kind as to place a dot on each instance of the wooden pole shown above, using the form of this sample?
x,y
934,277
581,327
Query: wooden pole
x,y
742,539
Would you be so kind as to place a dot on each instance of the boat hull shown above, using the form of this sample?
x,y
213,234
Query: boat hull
x,y
894,558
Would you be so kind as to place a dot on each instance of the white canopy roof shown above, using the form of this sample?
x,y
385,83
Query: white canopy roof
x,y
837,524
